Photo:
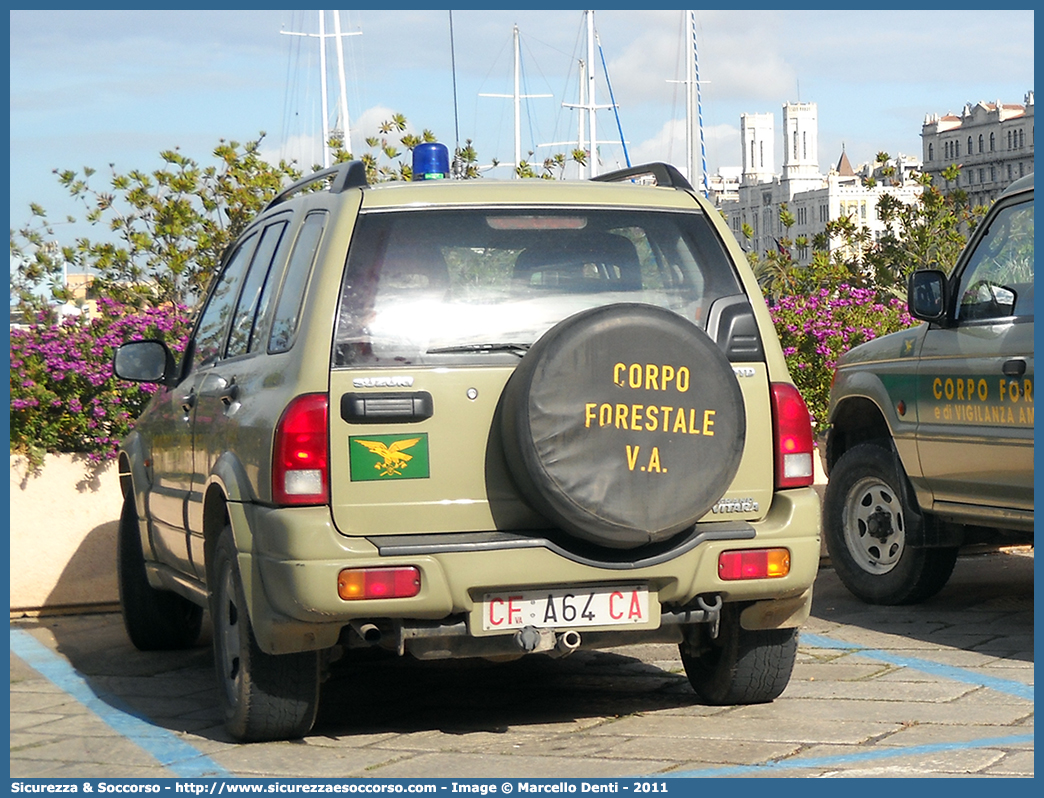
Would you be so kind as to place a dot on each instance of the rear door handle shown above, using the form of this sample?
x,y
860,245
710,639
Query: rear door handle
x,y
1014,368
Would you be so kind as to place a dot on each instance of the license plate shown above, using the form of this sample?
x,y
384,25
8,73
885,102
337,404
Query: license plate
x,y
565,608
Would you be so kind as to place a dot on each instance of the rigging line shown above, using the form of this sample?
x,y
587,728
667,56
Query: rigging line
x,y
287,114
485,80
567,80
699,111
529,100
453,66
353,72
612,101
524,43
676,82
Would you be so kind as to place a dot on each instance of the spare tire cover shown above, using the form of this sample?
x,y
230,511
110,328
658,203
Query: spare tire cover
x,y
623,425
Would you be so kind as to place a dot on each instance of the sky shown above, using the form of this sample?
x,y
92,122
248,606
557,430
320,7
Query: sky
x,y
93,88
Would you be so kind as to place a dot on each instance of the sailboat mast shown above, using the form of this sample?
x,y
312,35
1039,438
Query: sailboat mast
x,y
517,100
346,131
690,88
592,170
322,84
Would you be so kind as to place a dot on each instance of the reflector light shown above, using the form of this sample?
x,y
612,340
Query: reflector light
x,y
299,456
378,583
753,564
792,436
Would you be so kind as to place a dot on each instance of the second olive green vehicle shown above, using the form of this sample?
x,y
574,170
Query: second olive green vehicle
x,y
930,444
471,419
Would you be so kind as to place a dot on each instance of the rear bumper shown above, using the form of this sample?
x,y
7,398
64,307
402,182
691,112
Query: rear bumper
x,y
294,556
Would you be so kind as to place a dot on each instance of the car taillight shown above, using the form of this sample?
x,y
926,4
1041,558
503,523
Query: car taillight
x,y
792,437
377,583
300,473
753,564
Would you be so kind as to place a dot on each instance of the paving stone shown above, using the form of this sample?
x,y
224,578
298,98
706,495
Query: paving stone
x,y
516,767
845,671
627,711
882,712
93,770
692,752
1014,763
288,760
932,734
737,727
933,691
32,720
105,750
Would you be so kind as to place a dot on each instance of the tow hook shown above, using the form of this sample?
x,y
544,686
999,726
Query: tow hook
x,y
530,640
713,613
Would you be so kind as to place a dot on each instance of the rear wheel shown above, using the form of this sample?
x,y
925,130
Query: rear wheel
x,y
865,522
155,620
740,666
264,696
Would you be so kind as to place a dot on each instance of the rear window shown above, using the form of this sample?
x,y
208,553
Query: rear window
x,y
438,286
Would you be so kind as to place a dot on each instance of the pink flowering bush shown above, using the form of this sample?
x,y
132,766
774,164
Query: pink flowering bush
x,y
64,397
815,329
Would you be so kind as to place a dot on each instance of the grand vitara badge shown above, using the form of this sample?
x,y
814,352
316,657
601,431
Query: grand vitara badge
x,y
386,457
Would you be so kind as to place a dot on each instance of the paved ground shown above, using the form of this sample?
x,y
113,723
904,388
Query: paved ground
x,y
942,689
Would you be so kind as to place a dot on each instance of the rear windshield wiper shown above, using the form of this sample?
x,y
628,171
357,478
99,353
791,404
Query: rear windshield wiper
x,y
482,349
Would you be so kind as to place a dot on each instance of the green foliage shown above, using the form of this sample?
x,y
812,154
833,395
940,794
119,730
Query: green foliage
x,y
931,232
165,230
384,161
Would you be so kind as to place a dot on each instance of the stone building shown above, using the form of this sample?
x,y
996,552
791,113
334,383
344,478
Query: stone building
x,y
811,197
991,142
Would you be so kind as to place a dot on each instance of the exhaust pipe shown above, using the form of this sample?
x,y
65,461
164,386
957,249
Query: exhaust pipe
x,y
568,642
369,632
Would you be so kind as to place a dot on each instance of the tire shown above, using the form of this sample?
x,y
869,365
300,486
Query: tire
x,y
263,696
155,620
740,666
865,520
623,425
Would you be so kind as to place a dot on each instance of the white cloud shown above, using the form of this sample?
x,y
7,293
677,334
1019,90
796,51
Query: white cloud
x,y
368,124
303,150
668,145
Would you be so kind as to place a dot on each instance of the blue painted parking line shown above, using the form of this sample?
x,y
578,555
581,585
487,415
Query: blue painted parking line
x,y
180,758
875,755
1006,686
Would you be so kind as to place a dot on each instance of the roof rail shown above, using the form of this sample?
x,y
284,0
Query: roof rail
x,y
665,175
351,174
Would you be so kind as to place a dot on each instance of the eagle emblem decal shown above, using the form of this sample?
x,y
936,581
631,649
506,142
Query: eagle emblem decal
x,y
395,458
385,457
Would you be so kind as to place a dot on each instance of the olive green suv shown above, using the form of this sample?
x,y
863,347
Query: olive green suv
x,y
930,443
471,419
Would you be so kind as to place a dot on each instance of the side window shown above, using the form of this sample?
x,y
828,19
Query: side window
x,y
291,296
213,321
998,280
242,331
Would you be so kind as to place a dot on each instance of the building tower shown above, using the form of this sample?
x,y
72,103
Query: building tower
x,y
758,136
800,143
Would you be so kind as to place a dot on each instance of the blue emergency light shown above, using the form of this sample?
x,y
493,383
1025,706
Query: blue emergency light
x,y
431,161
